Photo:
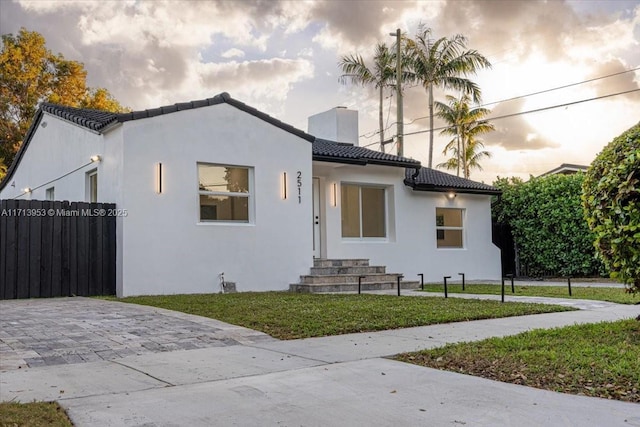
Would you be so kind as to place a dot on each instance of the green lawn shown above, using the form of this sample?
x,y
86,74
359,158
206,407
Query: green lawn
x,y
286,315
595,360
617,295
35,414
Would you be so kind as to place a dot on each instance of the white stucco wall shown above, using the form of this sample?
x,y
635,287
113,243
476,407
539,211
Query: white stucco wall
x,y
410,247
167,250
55,150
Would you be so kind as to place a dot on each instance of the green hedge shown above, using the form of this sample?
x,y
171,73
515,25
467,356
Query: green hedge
x,y
548,226
611,198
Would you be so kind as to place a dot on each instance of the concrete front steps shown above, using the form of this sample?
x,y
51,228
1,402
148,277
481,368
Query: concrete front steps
x,y
341,275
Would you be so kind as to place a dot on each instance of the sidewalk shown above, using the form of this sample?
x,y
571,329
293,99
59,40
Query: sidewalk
x,y
340,381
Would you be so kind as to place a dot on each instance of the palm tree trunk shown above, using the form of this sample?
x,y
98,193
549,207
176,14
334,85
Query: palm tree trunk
x,y
381,120
458,153
430,125
465,160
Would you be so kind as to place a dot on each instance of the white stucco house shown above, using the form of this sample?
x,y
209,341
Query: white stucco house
x,y
215,186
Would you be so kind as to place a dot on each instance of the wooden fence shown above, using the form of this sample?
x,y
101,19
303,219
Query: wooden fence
x,y
54,248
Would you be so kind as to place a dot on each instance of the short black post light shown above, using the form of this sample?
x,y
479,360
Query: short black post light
x,y
462,274
421,281
446,294
502,291
513,289
400,276
360,284
569,284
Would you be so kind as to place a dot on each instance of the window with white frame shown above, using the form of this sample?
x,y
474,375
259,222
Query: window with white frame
x,y
225,192
363,210
50,193
449,228
92,186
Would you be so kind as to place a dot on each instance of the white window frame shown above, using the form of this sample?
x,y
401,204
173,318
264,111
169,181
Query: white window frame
x,y
50,193
92,190
249,195
386,211
443,228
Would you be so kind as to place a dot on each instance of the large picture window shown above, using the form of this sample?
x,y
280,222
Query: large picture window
x,y
225,192
363,211
449,228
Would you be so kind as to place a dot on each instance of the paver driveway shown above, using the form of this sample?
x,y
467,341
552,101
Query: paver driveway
x,y
38,332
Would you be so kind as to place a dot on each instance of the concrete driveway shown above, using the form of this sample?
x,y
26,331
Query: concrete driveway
x,y
57,331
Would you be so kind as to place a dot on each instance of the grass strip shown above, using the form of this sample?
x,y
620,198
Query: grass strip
x,y
617,295
286,315
33,414
599,360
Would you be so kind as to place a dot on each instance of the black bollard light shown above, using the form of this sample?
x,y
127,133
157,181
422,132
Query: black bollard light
x,y
462,274
421,281
446,294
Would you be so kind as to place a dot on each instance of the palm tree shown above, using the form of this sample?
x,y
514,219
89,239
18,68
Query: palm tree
x,y
444,63
465,125
381,76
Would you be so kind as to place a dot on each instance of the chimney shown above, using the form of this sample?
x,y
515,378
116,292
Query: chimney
x,y
338,124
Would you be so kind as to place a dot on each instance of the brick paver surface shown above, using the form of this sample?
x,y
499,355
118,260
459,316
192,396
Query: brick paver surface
x,y
39,332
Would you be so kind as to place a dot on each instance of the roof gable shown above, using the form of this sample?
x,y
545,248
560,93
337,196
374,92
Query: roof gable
x,y
100,121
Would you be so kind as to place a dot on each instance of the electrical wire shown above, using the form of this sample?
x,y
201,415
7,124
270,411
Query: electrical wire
x,y
53,180
529,94
531,111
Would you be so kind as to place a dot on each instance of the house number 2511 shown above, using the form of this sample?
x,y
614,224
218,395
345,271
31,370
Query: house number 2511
x,y
299,173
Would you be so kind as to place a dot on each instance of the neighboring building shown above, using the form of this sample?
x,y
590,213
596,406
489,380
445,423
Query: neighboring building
x,y
216,186
566,169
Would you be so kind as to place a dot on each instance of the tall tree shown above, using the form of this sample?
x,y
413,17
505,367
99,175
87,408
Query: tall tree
x,y
382,75
31,74
444,63
465,125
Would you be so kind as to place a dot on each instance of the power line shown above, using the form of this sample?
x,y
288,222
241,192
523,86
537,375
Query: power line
x,y
533,111
522,96
542,91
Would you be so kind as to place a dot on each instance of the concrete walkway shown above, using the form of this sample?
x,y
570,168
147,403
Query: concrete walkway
x,y
338,381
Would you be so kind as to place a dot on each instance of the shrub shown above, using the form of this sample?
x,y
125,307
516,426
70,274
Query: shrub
x,y
611,200
548,226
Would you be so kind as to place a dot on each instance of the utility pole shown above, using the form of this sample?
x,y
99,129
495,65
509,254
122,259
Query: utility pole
x,y
399,115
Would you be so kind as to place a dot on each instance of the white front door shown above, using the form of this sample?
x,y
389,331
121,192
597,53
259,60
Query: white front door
x,y
316,218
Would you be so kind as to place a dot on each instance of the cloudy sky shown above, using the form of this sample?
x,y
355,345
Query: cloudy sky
x,y
281,57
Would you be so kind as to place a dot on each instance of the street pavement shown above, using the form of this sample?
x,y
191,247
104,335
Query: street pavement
x,y
249,379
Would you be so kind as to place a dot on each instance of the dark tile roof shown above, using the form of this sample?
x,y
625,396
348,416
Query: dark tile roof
x,y
99,120
95,120
339,152
433,180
